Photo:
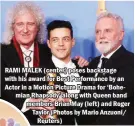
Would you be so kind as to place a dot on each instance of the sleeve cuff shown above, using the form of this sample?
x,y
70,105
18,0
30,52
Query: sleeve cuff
x,y
24,108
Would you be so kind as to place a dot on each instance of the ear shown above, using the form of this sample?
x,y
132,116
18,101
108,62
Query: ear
x,y
121,35
73,42
48,43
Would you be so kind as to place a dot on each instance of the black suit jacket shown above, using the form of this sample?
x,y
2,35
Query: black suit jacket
x,y
10,59
68,119
123,61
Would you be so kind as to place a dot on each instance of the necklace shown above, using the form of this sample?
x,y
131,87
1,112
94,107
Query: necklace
x,y
28,58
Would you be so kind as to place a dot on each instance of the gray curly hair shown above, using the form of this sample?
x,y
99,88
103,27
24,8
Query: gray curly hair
x,y
37,12
114,16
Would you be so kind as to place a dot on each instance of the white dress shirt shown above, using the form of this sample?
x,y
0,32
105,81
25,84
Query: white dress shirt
x,y
60,64
107,56
28,52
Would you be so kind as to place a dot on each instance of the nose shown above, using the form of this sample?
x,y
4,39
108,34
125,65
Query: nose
x,y
25,28
102,35
61,43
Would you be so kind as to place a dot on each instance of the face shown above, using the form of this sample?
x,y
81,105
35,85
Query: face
x,y
61,43
108,35
25,28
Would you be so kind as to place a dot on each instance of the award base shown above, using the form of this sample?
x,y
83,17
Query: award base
x,y
49,116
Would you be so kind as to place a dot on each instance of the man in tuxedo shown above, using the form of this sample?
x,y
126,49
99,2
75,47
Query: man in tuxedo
x,y
61,41
23,47
109,32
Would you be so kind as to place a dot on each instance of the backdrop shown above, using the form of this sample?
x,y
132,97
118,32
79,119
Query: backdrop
x,y
82,15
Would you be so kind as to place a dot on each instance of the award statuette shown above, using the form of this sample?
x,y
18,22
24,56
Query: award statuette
x,y
51,83
101,7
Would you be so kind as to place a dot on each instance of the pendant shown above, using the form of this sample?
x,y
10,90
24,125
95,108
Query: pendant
x,y
28,58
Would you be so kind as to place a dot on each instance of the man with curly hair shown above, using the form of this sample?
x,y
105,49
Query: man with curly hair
x,y
24,47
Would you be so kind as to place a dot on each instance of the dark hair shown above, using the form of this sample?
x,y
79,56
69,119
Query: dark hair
x,y
59,24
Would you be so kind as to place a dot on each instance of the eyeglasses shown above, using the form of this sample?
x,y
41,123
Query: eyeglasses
x,y
29,25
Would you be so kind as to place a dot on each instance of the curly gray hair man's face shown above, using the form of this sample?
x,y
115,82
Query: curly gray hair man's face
x,y
25,28
26,22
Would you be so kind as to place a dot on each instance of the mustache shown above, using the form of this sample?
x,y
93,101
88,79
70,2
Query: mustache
x,y
103,41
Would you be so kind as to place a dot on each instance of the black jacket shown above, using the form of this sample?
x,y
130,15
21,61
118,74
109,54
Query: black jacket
x,y
123,61
10,59
67,119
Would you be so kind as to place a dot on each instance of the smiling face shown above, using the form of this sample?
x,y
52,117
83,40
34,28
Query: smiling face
x,y
108,35
25,28
61,43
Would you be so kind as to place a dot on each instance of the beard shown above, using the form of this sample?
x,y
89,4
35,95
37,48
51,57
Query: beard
x,y
105,46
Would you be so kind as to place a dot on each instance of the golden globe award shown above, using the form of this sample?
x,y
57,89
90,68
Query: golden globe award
x,y
51,82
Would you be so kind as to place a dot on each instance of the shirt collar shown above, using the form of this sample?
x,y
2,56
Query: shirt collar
x,y
110,54
60,64
25,50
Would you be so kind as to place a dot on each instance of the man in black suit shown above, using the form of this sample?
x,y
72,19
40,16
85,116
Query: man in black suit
x,y
60,41
109,31
23,45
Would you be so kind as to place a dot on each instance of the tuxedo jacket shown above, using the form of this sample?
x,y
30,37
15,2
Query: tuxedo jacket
x,y
123,61
68,119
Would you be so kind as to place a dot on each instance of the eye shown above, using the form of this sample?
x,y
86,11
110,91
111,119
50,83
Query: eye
x,y
19,24
108,30
66,39
31,23
97,31
55,40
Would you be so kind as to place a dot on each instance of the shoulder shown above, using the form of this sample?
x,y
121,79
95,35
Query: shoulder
x,y
75,62
6,48
3,46
44,48
127,58
129,55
